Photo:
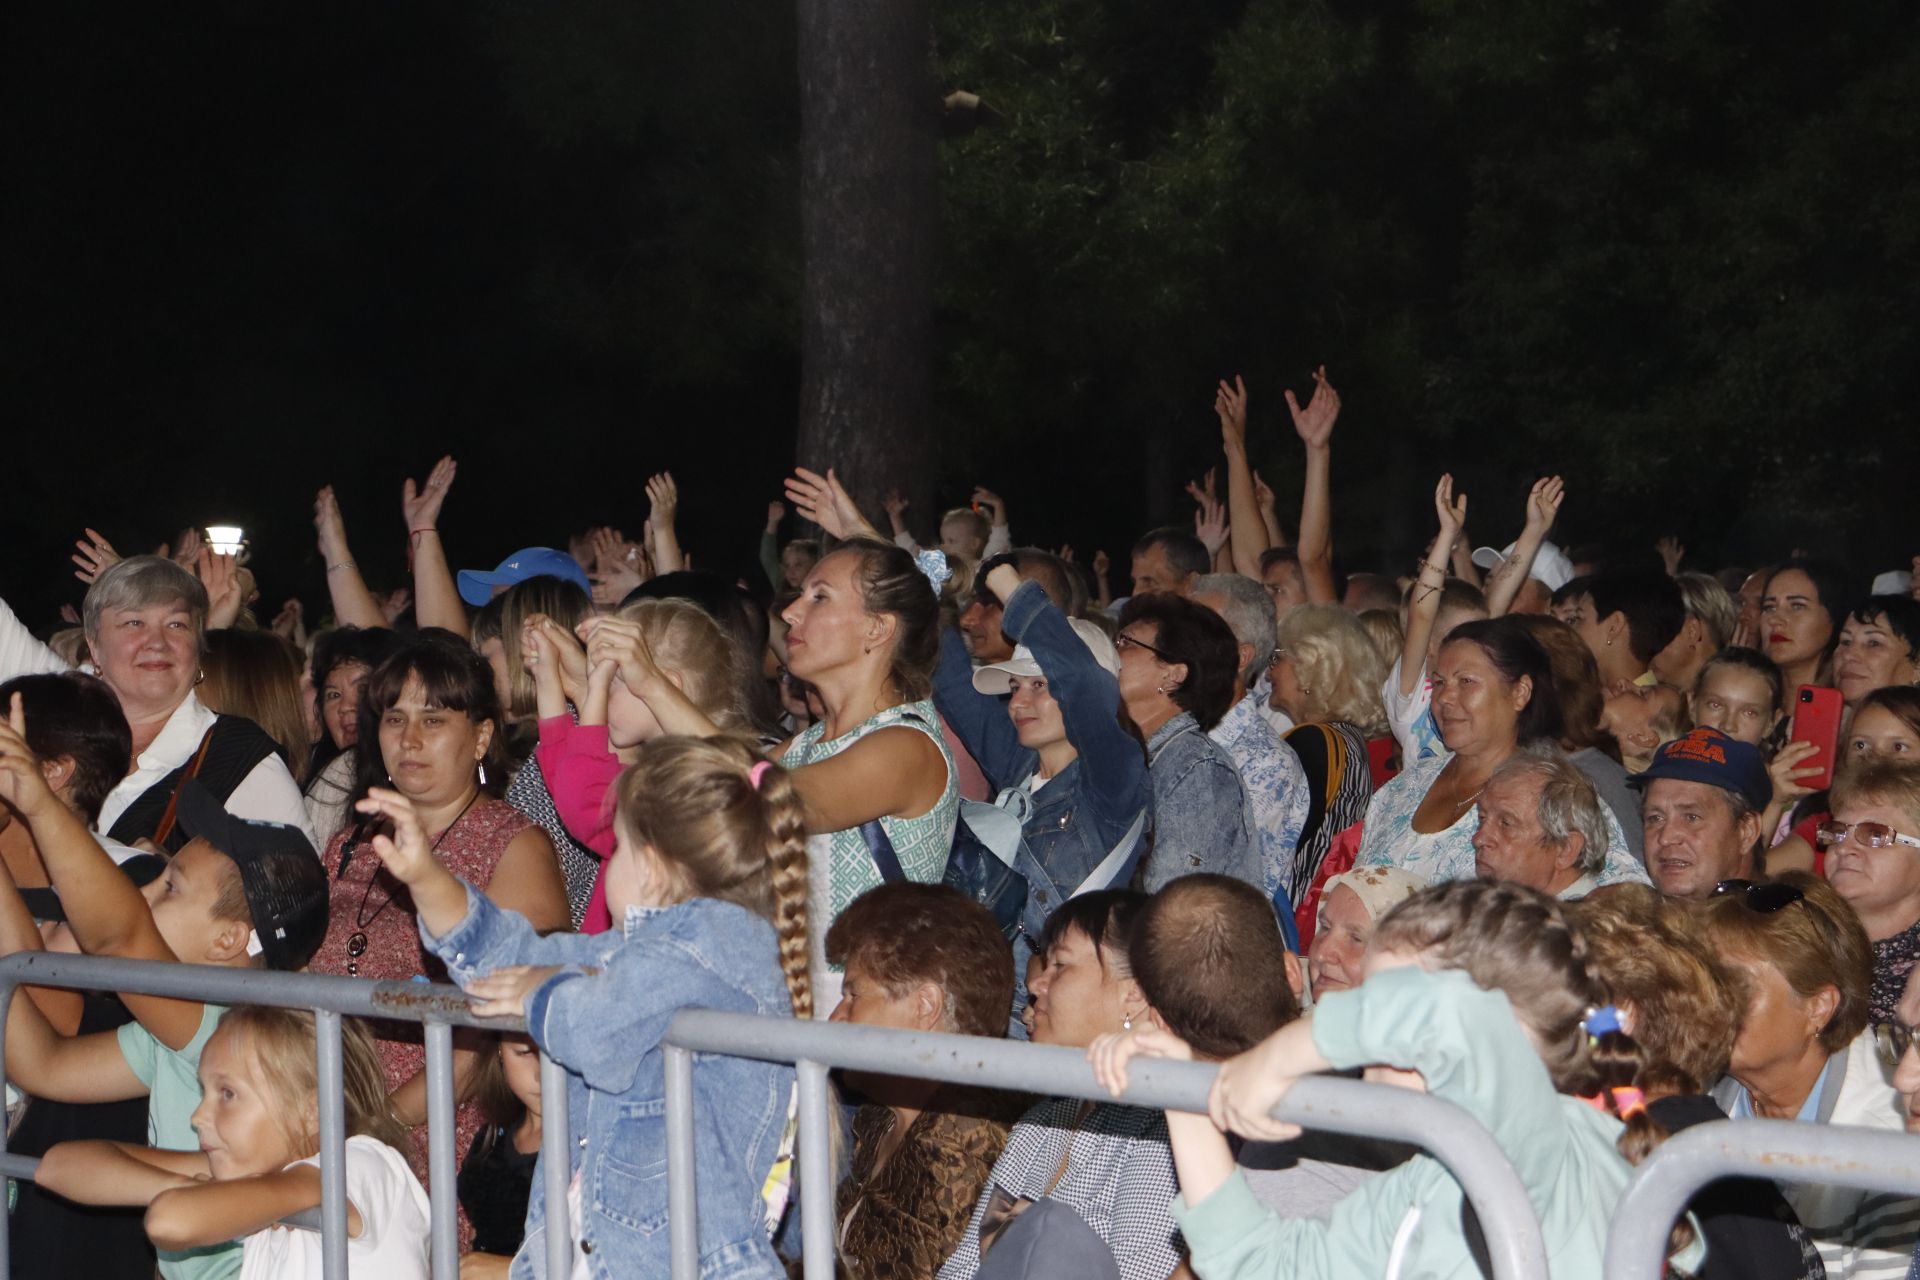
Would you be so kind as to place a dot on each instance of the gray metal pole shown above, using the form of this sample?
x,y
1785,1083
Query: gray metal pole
x,y
443,1201
817,1183
1824,1154
1449,1134
330,1076
683,1223
556,1163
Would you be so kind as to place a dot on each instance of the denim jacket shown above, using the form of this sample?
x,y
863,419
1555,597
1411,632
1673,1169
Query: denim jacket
x,y
1202,819
1082,812
601,1017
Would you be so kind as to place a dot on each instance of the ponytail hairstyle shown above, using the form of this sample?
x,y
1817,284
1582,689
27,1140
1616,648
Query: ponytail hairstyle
x,y
891,583
278,1047
1522,943
724,823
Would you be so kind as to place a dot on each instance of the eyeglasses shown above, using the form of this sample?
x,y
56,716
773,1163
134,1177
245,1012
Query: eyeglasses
x,y
1125,641
1892,1040
1874,835
1763,898
1279,656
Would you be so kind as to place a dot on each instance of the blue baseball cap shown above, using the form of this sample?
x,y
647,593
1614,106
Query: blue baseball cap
x,y
1710,756
476,586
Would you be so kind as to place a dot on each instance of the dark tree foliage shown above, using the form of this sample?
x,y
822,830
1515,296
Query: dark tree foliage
x,y
1665,248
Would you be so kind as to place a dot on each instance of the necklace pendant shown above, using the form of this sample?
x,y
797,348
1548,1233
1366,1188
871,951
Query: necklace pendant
x,y
357,945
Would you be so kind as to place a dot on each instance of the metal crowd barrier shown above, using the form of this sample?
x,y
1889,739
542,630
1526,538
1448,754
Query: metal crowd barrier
x,y
1340,1106
1785,1150
814,1048
438,1008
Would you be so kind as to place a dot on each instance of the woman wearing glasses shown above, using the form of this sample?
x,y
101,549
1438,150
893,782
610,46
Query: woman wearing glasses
x,y
1804,1052
1873,861
1177,664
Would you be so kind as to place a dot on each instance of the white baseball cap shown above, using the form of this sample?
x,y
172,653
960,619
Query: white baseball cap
x,y
997,677
1551,568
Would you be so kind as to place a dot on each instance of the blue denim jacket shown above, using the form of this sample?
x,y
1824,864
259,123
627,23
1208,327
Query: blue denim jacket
x,y
601,1018
1202,820
1083,811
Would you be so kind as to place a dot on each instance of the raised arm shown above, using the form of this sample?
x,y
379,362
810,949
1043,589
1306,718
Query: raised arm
x,y
770,545
1210,521
824,501
353,604
1249,533
1543,504
1314,424
999,536
436,598
1424,605
105,910
664,495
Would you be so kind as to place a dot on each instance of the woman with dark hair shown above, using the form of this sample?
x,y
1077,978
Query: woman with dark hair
x,y
874,775
438,743
1107,1162
342,660
1800,614
1493,692
1177,665
919,957
1589,747
1878,647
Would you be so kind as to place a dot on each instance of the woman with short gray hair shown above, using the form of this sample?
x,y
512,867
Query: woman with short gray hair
x,y
145,619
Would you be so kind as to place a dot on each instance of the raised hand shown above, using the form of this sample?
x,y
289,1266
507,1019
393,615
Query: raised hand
x,y
622,643
406,853
422,506
186,549
1543,504
1672,552
1451,511
824,501
1263,493
1065,552
664,495
991,503
394,603
560,652
22,785
95,556
776,512
1210,521
1315,422
1101,565
226,596
290,622
1230,404
896,507
329,525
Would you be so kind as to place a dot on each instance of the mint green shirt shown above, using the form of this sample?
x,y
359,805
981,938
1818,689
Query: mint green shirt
x,y
172,1078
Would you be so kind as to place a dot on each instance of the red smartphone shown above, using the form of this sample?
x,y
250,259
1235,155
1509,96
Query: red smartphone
x,y
1816,719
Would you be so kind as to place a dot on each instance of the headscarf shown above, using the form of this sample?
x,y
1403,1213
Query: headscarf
x,y
1379,888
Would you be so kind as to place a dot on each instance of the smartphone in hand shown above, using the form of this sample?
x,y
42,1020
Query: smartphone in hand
x,y
1816,718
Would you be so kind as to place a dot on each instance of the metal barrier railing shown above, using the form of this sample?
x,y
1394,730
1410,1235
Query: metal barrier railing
x,y
1517,1251
1777,1150
439,1008
1341,1106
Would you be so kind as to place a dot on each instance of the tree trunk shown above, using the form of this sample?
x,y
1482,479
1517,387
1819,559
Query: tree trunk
x,y
868,121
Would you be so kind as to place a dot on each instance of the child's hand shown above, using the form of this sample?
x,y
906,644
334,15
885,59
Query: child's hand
x,y
406,854
1251,1085
22,785
593,709
504,992
1111,1053
623,643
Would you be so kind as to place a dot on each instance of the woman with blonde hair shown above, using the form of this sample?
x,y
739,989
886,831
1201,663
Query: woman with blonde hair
x,y
1326,675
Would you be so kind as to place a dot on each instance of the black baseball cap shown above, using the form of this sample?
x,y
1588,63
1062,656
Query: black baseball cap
x,y
280,875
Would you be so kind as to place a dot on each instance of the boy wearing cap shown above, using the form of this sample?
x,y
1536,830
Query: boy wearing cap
x,y
241,894
1704,796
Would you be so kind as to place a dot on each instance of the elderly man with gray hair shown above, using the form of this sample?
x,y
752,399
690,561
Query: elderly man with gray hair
x,y
1276,785
1541,825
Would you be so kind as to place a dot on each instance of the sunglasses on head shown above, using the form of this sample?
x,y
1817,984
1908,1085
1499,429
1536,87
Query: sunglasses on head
x,y
1763,898
1874,835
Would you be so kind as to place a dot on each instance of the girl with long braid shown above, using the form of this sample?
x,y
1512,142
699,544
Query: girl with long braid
x,y
708,891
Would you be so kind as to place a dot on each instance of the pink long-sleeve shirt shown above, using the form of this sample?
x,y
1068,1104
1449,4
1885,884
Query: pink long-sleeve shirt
x,y
580,769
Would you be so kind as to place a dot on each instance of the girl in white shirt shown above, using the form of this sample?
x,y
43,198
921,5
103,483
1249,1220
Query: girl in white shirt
x,y
259,1128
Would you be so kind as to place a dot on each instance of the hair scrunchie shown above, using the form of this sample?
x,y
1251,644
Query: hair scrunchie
x,y
934,565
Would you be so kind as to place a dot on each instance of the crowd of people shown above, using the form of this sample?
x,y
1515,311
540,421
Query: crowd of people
x,y
1595,845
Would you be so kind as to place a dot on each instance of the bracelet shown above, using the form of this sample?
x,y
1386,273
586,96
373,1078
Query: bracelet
x,y
344,564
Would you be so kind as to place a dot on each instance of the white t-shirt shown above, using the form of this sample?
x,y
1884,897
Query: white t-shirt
x,y
392,1244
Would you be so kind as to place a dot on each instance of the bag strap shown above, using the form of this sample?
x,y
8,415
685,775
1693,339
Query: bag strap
x,y
165,829
1110,866
880,849
996,827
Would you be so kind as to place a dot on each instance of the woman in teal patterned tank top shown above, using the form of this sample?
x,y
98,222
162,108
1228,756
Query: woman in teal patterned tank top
x,y
865,634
